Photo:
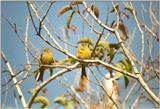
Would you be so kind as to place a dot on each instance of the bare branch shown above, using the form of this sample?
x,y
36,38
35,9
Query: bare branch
x,y
142,36
19,91
53,77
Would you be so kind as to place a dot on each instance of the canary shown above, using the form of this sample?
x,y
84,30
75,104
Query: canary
x,y
83,52
45,59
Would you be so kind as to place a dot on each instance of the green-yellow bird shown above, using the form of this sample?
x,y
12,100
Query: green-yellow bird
x,y
45,59
83,52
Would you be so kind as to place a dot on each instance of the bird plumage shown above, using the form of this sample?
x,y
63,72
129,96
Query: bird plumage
x,y
83,52
45,59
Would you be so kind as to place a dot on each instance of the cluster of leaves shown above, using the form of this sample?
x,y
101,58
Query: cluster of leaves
x,y
122,14
67,8
70,7
125,65
60,100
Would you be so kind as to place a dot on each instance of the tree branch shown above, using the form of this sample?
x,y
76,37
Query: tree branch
x,y
19,91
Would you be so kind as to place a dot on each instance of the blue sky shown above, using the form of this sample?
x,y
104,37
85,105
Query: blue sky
x,y
14,49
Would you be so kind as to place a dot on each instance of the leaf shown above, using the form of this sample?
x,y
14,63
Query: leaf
x,y
114,45
113,9
126,14
95,10
76,2
104,44
31,91
72,60
126,81
63,61
86,40
69,18
67,60
41,99
73,28
127,64
120,66
124,30
111,53
124,64
128,68
63,10
68,105
62,100
129,8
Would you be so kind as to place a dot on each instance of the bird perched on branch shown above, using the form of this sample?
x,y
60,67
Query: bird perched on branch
x,y
46,58
83,52
112,89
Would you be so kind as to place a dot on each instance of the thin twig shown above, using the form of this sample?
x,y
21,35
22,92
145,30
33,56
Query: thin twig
x,y
142,36
43,25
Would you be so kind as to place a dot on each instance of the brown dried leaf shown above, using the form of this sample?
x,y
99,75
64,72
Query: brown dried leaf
x,y
76,2
122,27
63,10
95,10
126,14
72,27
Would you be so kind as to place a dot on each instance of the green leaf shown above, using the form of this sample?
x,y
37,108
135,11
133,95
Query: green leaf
x,y
128,68
120,66
86,40
127,64
43,100
68,105
64,102
126,81
114,45
111,54
60,100
104,44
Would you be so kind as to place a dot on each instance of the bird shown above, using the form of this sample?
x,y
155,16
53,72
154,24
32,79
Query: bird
x,y
111,87
83,52
46,58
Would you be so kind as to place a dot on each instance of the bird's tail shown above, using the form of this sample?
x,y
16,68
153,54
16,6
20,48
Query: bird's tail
x,y
83,71
51,71
83,80
39,74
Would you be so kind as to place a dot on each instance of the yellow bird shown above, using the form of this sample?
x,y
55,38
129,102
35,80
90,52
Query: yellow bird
x,y
83,52
45,59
